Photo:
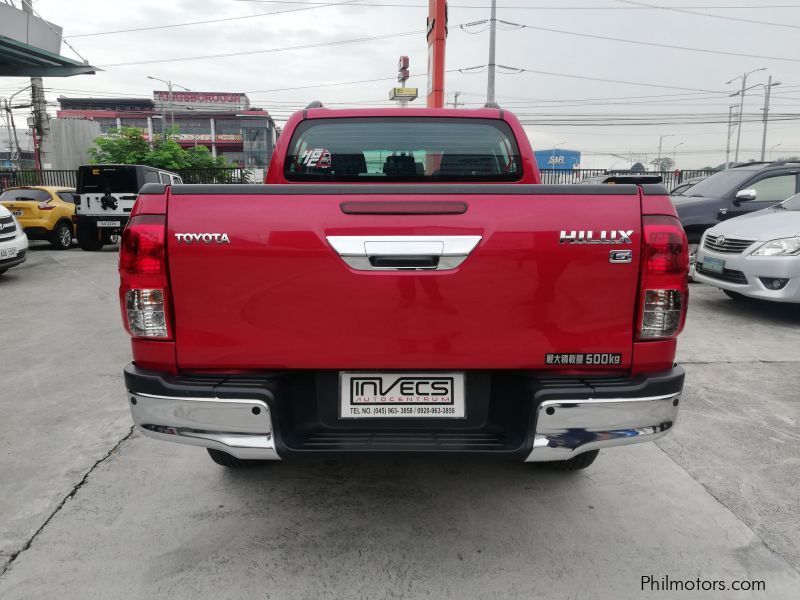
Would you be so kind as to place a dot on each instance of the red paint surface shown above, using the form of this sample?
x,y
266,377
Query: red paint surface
x,y
278,296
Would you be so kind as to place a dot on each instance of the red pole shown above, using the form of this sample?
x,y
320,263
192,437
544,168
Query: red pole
x,y
437,40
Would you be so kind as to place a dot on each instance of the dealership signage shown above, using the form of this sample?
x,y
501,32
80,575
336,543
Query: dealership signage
x,y
205,100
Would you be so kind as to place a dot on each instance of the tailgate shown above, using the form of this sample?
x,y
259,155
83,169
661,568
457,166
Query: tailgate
x,y
279,295
22,209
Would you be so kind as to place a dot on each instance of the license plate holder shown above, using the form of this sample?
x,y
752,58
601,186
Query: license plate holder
x,y
9,252
109,223
714,265
399,395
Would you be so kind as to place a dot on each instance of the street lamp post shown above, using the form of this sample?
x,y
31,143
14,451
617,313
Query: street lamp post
x,y
660,141
171,98
675,147
771,148
14,156
741,107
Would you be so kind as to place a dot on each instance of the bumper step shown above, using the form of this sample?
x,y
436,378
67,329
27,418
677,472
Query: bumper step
x,y
399,441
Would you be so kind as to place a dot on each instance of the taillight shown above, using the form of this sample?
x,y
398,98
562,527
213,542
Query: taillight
x,y
45,205
664,289
143,278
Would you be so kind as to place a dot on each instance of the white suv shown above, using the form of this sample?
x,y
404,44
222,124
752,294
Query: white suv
x,y
13,241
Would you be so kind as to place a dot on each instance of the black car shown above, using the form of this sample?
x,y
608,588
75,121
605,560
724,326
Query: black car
x,y
734,192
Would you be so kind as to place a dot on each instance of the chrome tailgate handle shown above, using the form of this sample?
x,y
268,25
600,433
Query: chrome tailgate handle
x,y
402,253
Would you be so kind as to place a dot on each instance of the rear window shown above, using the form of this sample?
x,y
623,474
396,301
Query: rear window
x,y
23,195
114,180
396,149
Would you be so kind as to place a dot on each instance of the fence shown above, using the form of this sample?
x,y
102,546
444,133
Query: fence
x,y
236,175
52,178
566,176
68,178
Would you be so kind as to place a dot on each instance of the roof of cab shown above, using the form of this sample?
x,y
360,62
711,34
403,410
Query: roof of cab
x,y
463,113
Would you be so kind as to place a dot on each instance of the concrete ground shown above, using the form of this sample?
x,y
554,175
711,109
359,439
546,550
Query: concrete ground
x,y
91,510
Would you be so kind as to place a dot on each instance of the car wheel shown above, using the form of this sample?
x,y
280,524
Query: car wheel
x,y
736,296
227,460
61,238
576,463
88,238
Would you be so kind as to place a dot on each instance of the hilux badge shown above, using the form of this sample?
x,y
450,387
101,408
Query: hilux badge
x,y
582,236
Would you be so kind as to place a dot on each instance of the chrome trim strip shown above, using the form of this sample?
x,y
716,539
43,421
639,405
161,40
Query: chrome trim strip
x,y
356,250
242,428
566,428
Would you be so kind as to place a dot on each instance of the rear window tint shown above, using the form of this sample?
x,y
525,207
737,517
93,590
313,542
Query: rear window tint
x,y
392,149
23,195
101,179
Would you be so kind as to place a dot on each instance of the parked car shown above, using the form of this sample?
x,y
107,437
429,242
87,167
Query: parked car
x,y
44,212
756,255
13,241
732,193
105,197
682,188
404,284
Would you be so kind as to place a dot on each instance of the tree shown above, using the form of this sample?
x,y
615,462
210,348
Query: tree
x,y
665,163
128,146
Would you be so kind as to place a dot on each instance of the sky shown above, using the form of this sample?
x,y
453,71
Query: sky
x,y
571,86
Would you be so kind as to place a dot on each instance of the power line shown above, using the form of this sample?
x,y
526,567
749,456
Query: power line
x,y
656,44
600,79
549,7
710,15
357,3
211,21
267,50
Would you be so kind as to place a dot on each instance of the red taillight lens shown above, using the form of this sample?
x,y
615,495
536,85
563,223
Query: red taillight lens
x,y
143,278
664,287
45,205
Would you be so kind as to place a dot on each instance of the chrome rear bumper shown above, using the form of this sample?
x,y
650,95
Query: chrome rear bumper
x,y
566,428
242,428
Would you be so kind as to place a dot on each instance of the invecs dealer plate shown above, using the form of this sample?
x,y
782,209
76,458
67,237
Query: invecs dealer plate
x,y
401,395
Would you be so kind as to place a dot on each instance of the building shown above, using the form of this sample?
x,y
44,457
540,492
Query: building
x,y
222,121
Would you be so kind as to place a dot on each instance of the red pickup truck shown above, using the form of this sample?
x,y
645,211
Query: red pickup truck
x,y
403,282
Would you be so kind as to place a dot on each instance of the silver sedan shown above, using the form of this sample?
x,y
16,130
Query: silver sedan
x,y
756,255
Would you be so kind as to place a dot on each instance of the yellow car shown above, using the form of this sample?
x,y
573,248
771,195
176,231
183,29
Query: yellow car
x,y
45,213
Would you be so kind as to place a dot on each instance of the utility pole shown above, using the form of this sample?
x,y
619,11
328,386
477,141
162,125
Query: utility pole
x,y
40,118
728,143
741,107
455,99
492,64
767,91
437,42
